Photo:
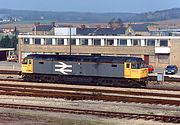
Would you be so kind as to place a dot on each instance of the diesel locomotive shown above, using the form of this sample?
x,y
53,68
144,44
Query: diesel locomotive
x,y
85,69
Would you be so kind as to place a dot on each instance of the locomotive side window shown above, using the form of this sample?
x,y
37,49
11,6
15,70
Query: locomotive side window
x,y
41,62
114,65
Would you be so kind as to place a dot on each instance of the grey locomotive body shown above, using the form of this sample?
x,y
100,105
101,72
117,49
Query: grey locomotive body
x,y
76,68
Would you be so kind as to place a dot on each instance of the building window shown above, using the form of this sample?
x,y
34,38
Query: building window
x,y
136,42
60,41
97,42
37,41
163,59
73,41
150,42
83,41
163,42
123,42
48,41
26,41
110,42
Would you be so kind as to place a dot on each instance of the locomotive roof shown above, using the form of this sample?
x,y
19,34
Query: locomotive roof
x,y
85,58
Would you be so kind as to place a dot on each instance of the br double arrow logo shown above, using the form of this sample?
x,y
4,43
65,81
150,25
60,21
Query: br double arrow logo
x,y
63,68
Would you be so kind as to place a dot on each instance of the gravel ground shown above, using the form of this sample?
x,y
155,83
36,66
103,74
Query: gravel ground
x,y
94,105
27,117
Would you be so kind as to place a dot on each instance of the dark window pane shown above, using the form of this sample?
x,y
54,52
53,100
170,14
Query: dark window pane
x,y
73,41
48,41
123,42
127,65
26,41
110,42
41,62
60,41
97,41
37,41
150,42
163,43
84,42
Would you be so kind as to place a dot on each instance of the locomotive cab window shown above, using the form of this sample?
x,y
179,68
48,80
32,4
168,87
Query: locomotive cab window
x,y
24,61
29,61
127,65
136,66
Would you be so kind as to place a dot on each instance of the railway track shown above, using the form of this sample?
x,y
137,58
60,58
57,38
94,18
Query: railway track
x,y
151,78
85,93
120,115
76,93
10,72
152,87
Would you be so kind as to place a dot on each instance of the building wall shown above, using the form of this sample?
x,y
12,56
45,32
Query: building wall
x,y
135,50
142,33
130,31
175,52
160,53
51,32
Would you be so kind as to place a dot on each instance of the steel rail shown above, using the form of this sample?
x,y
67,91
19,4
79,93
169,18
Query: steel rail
x,y
120,115
79,94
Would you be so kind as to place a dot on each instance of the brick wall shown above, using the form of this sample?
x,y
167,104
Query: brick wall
x,y
90,49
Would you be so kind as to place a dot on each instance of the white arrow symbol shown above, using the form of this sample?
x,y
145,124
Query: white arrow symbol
x,y
62,68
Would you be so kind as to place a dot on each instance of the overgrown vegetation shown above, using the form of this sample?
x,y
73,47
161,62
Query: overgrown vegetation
x,y
9,41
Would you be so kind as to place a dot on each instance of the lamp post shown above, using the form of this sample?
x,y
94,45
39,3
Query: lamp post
x,y
70,40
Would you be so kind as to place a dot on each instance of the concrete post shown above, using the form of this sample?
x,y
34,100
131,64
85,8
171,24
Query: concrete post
x,y
102,42
42,41
115,42
129,42
142,42
89,42
157,42
53,41
65,42
77,42
31,41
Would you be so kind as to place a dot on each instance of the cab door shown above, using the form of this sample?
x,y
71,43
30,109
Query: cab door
x,y
127,70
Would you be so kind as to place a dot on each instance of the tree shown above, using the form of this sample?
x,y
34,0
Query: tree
x,y
14,42
116,23
7,42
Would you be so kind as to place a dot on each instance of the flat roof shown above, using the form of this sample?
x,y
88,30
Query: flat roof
x,y
7,49
101,37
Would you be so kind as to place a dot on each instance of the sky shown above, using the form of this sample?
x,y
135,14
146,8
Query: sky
x,y
98,6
